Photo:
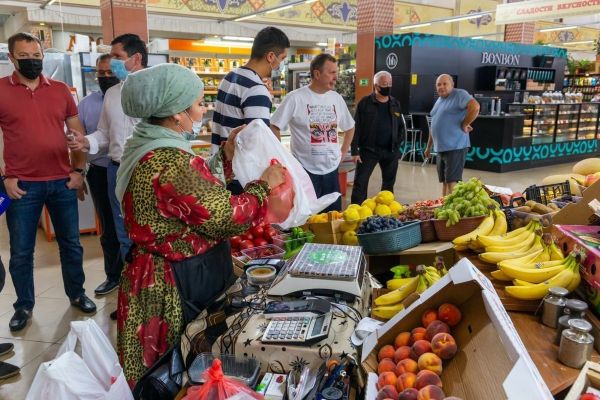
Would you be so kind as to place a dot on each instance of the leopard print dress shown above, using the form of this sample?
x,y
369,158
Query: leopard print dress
x,y
174,207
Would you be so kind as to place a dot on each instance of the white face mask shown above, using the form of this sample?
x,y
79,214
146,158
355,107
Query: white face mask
x,y
196,128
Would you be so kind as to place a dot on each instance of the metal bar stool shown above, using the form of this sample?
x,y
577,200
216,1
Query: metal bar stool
x,y
433,154
412,137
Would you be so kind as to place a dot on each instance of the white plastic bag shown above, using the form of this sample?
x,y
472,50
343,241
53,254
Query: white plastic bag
x,y
255,147
95,375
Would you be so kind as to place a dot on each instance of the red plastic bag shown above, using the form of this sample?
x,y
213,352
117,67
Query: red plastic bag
x,y
281,200
218,386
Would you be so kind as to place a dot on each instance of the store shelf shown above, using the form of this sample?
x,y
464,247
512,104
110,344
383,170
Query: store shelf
x,y
212,73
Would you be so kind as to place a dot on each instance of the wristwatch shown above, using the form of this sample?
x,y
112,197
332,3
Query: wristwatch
x,y
80,171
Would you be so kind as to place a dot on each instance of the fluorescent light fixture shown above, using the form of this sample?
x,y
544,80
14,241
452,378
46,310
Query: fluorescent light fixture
x,y
277,9
560,28
415,26
47,3
321,44
42,23
222,43
239,38
581,42
245,18
309,1
477,37
463,18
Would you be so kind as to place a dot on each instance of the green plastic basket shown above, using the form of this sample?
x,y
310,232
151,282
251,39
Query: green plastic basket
x,y
391,241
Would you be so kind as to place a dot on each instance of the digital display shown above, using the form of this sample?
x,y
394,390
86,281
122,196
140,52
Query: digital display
x,y
318,325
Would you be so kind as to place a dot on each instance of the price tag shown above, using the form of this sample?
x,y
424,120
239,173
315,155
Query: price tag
x,y
413,79
364,82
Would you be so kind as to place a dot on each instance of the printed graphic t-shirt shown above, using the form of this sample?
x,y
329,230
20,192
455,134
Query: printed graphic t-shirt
x,y
314,121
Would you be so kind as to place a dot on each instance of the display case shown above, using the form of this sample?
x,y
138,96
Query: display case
x,y
552,123
588,85
500,78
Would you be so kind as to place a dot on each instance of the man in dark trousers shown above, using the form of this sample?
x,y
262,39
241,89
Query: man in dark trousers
x,y
6,370
377,137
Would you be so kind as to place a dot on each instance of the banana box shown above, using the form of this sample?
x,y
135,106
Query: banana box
x,y
492,361
584,238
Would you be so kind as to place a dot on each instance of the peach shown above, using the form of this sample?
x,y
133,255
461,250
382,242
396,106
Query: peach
x,y
418,348
425,378
431,392
431,362
444,346
401,353
449,314
386,365
408,394
417,334
387,392
406,365
386,378
386,351
428,317
406,381
436,327
402,339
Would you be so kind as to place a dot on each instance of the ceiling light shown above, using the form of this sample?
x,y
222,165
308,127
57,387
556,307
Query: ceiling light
x,y
42,23
222,43
47,3
477,37
415,26
279,9
245,18
560,28
239,38
321,44
581,42
463,18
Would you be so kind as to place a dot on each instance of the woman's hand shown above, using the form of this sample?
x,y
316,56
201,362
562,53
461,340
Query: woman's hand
x,y
230,143
274,175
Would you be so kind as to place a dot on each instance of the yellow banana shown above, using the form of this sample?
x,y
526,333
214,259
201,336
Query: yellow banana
x,y
422,284
484,228
431,278
526,244
387,312
555,253
476,246
518,282
539,290
533,275
397,283
509,238
501,276
528,259
500,225
538,265
576,279
397,295
496,257
460,247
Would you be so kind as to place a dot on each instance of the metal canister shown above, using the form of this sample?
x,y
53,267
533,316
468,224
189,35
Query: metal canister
x,y
573,309
576,344
554,304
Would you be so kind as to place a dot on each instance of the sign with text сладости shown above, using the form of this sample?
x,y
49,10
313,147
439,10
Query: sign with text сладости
x,y
544,9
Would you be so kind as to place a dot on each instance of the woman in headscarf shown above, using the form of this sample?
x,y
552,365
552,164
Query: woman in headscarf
x,y
177,211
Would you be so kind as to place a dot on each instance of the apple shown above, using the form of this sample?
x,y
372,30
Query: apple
x,y
235,241
257,231
246,244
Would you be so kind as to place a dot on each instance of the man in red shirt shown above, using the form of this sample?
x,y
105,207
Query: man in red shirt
x,y
40,171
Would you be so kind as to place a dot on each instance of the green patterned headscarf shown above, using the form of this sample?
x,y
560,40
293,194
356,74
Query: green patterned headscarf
x,y
160,91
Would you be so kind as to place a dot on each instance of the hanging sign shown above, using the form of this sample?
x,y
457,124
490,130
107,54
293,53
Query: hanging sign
x,y
535,10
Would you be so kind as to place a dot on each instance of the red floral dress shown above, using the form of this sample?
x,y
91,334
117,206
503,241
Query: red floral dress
x,y
174,208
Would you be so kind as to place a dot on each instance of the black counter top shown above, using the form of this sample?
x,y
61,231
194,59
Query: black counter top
x,y
505,116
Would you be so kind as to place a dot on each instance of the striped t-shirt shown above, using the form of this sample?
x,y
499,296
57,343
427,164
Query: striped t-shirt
x,y
242,97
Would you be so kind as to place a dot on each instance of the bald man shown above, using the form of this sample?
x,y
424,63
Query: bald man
x,y
452,116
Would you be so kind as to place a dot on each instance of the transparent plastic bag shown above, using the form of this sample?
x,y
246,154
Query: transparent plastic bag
x,y
217,386
281,200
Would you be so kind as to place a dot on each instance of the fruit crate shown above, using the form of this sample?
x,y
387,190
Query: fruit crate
x,y
428,231
462,227
545,193
393,240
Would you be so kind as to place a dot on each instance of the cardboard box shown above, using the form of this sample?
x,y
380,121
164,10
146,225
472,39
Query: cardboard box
x,y
492,362
589,378
579,213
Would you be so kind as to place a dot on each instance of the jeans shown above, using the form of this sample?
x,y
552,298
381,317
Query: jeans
x,y
325,184
22,218
388,162
122,235
113,263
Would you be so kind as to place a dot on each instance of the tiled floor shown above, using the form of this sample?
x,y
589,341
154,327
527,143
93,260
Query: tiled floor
x,y
41,339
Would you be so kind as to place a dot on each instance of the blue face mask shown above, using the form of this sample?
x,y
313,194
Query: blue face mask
x,y
196,128
118,69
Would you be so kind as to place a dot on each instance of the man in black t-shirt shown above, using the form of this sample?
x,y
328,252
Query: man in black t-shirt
x,y
377,137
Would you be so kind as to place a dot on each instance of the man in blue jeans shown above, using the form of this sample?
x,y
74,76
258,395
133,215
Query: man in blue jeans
x,y
6,370
40,171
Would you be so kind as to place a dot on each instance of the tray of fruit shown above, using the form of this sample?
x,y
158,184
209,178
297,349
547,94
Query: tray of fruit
x,y
379,235
256,236
292,242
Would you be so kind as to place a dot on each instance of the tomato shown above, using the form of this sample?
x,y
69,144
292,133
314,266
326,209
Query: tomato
x,y
260,242
247,236
272,232
235,241
246,244
257,231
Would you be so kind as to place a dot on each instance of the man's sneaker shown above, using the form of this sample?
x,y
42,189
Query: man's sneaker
x,y
19,319
7,370
106,287
6,348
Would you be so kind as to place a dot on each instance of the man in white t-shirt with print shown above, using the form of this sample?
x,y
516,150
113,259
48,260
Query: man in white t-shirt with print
x,y
315,114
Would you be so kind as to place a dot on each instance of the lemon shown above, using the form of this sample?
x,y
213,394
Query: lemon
x,y
371,203
351,206
396,207
382,210
348,226
350,238
351,215
365,212
385,197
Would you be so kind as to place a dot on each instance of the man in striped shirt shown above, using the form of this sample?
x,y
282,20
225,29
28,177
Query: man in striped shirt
x,y
242,95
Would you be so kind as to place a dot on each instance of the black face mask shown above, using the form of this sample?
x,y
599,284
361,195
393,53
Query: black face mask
x,y
30,68
385,91
106,82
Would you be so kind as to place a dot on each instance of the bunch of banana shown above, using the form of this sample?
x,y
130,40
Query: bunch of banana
x,y
387,312
427,276
389,304
534,283
440,266
493,225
